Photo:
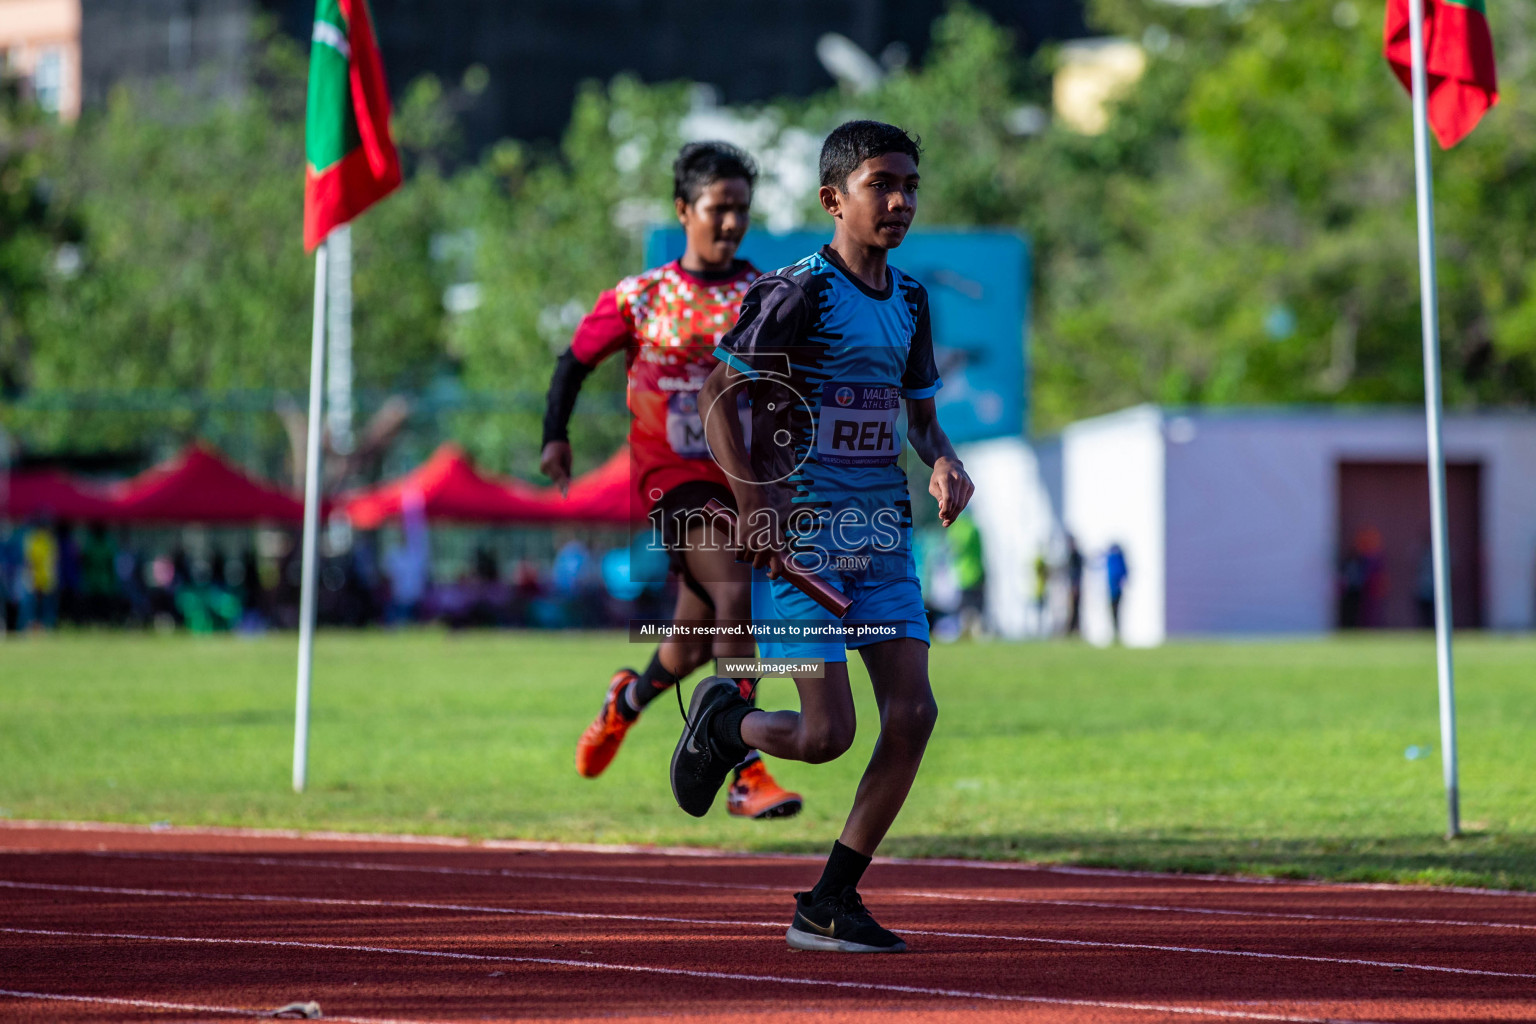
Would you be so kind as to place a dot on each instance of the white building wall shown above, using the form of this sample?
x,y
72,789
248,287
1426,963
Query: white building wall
x,y
1113,492
1252,515
1509,517
1252,511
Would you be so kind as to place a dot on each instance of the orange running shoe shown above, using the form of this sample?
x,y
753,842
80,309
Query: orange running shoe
x,y
595,749
754,794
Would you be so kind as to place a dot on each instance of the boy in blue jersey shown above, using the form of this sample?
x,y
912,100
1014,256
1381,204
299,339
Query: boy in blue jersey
x,y
827,351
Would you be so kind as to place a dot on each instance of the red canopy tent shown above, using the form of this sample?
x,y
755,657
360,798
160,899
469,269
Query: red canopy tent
x,y
453,489
199,486
600,496
54,493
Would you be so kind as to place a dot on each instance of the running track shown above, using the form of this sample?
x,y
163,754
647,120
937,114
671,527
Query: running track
x,y
115,923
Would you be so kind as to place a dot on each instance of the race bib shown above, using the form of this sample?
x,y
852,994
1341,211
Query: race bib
x,y
858,424
685,428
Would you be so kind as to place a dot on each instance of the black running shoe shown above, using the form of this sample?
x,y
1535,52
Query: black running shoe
x,y
698,768
839,924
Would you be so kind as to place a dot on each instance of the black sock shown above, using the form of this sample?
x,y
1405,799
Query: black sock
x,y
844,869
725,732
653,682
747,762
748,688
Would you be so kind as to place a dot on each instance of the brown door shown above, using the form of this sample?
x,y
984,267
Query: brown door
x,y
1384,543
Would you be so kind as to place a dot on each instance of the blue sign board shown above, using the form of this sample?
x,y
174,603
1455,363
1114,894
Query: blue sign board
x,y
978,294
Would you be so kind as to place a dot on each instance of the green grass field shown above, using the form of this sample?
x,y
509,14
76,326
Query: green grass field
x,y
1271,758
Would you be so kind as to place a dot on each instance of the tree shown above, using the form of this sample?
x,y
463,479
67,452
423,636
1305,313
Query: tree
x,y
193,279
1242,231
32,226
1263,248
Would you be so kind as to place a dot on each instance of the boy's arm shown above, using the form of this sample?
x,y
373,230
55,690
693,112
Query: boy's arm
x,y
722,429
772,320
601,333
919,383
727,443
950,483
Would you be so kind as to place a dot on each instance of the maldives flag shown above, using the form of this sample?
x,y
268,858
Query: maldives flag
x,y
350,160
1458,51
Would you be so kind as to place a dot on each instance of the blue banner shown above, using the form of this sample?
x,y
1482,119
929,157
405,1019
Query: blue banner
x,y
978,293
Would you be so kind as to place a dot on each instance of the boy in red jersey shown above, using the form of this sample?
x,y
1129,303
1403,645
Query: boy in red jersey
x,y
668,321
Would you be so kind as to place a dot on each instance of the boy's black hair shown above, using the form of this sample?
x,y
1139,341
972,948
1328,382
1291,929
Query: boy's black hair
x,y
701,164
853,142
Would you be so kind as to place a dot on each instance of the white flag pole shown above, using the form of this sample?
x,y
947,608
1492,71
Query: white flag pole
x,y
312,475
338,339
1430,308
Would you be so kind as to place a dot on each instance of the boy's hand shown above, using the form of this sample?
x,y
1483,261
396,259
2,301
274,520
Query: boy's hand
x,y
952,486
759,544
555,463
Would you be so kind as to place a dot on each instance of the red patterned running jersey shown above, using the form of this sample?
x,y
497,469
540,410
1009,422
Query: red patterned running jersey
x,y
668,323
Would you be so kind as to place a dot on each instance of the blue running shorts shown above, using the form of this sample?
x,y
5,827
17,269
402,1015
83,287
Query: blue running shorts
x,y
894,602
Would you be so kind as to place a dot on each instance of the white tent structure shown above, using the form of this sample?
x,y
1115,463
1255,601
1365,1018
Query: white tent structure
x,y
1234,521
1018,517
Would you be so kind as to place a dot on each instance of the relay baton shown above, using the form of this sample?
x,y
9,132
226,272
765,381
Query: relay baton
x,y
809,584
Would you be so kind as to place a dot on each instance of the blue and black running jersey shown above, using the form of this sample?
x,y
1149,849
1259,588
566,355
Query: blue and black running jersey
x,y
829,361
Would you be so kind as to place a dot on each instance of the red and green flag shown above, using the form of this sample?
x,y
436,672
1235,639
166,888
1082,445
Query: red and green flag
x,y
350,160
1458,61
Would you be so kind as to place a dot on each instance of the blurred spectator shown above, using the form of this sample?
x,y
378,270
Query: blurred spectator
x,y
970,573
40,577
181,564
482,598
408,564
285,592
1424,588
368,577
622,586
1074,586
525,580
941,589
162,590
247,582
1042,593
649,564
70,576
10,576
1116,572
1361,580
129,568
203,602
577,581
99,585
572,569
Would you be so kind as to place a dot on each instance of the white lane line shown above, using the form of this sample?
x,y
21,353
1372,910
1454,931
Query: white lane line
x,y
330,901
156,1004
1174,876
919,990
729,923
702,853
282,862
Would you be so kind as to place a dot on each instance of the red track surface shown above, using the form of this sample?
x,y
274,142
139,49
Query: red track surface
x,y
228,925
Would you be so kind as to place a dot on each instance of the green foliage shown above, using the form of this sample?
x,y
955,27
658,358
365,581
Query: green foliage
x,y
552,232
1207,757
193,278
1257,243
32,225
1242,232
